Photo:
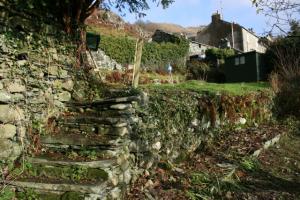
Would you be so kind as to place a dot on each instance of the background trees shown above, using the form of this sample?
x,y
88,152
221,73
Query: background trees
x,y
284,54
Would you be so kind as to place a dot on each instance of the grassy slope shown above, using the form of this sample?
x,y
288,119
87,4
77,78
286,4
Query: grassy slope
x,y
199,86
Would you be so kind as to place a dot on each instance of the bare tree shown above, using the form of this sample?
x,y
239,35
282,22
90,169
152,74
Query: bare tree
x,y
280,12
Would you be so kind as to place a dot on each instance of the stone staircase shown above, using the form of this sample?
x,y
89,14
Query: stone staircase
x,y
86,156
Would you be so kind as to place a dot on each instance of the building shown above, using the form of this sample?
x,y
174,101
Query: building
x,y
197,50
233,35
246,67
160,36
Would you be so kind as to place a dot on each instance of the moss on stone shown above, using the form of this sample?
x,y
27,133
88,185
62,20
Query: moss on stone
x,y
74,173
72,196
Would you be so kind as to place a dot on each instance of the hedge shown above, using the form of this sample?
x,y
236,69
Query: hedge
x,y
155,55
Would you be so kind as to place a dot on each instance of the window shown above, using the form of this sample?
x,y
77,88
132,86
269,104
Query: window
x,y
242,60
236,61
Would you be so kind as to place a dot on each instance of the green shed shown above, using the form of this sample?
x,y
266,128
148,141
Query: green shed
x,y
93,41
245,67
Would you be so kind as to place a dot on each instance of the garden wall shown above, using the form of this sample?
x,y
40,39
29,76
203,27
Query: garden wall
x,y
176,123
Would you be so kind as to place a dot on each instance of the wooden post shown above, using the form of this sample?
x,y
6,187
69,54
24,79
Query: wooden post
x,y
137,62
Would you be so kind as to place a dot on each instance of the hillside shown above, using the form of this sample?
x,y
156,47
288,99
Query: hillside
x,y
109,23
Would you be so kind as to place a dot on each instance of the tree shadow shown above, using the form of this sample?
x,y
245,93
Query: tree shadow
x,y
260,180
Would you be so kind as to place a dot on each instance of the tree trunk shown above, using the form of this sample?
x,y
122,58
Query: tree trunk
x,y
81,57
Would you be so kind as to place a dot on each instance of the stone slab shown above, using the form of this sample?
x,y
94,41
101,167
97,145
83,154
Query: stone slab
x,y
91,164
96,189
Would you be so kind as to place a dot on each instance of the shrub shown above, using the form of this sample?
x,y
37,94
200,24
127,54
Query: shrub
x,y
286,85
285,80
197,70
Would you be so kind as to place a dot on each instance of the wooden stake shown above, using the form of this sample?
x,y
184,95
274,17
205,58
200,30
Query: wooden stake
x,y
137,62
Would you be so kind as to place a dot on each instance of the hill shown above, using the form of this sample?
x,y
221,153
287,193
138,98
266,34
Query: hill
x,y
109,23
150,27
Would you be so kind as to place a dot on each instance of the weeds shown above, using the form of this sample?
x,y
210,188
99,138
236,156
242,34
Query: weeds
x,y
212,187
249,164
7,194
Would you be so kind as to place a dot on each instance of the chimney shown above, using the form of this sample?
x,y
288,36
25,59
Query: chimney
x,y
216,17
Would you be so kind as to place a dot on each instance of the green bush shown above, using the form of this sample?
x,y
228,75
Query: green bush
x,y
215,54
155,55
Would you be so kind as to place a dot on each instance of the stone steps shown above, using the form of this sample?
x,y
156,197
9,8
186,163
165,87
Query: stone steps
x,y
63,187
87,153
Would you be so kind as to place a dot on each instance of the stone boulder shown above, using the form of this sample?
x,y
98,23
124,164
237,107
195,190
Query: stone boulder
x,y
7,131
10,114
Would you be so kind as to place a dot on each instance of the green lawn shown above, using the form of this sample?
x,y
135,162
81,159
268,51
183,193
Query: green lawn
x,y
200,86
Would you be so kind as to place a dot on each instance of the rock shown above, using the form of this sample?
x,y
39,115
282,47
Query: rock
x,y
58,104
57,84
127,176
79,94
64,96
38,100
55,56
115,193
53,70
7,131
1,84
156,146
113,178
149,184
17,97
9,150
121,106
3,75
257,153
5,97
68,85
9,114
63,73
195,122
125,165
52,50
242,121
16,87
21,63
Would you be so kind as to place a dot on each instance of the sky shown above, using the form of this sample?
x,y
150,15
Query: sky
x,y
198,12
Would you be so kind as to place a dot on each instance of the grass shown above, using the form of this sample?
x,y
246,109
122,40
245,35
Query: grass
x,y
108,30
200,86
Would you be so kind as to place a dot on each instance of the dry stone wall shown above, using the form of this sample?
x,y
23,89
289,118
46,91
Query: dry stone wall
x,y
102,61
54,119
31,91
